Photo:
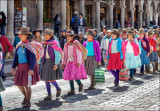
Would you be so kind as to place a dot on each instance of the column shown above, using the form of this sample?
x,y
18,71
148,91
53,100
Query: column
x,y
122,13
63,14
111,16
132,17
10,20
82,7
148,20
98,16
40,14
122,17
140,18
93,16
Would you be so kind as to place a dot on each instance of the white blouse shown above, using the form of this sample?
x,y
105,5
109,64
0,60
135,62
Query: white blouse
x,y
129,48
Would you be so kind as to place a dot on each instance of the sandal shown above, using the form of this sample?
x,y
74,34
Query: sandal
x,y
27,105
58,93
48,98
91,88
81,88
72,92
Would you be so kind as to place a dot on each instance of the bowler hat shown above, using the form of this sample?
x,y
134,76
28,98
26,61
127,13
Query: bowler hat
x,y
150,32
141,31
70,32
38,30
48,31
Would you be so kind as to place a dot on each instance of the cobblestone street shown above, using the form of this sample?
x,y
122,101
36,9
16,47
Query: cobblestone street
x,y
140,94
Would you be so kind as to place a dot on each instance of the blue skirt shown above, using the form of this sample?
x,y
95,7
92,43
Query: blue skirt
x,y
153,56
144,59
132,61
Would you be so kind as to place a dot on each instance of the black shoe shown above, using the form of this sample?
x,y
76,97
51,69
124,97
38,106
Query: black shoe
x,y
117,85
48,98
27,105
24,101
81,88
72,92
91,88
58,93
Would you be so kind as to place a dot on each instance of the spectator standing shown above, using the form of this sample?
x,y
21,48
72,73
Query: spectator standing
x,y
57,23
82,23
75,23
2,23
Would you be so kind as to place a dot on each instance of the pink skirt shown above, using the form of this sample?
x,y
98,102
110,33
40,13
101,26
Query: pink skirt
x,y
72,72
21,76
115,62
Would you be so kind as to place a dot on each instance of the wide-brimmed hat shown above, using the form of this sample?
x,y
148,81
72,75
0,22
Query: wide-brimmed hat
x,y
70,32
141,31
132,29
48,31
124,31
156,31
109,31
115,31
37,30
150,32
130,32
90,32
64,30
25,30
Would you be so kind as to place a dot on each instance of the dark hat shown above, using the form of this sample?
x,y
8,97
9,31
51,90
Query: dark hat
x,y
124,31
150,32
48,31
70,32
132,29
141,31
156,31
130,32
25,30
115,31
38,30
145,30
90,32
155,26
64,30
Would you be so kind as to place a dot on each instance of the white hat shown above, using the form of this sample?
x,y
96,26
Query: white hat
x,y
109,30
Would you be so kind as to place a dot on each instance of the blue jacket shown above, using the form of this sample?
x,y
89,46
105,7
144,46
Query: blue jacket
x,y
31,58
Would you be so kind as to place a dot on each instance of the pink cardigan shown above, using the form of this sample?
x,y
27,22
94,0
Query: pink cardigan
x,y
135,48
74,53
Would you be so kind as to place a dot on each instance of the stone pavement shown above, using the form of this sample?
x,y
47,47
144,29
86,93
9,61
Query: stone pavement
x,y
142,93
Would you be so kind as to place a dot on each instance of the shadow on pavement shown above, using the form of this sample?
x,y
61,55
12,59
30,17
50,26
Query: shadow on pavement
x,y
48,105
136,82
22,109
119,89
74,98
93,92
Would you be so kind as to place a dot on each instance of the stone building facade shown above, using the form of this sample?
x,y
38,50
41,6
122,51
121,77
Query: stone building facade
x,y
96,12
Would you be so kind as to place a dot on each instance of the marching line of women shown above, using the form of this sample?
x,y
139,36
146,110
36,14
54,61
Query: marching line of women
x,y
46,61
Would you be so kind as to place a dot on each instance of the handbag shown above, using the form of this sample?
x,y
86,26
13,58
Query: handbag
x,y
123,73
99,76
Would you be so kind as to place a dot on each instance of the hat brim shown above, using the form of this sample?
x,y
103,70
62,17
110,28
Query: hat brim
x,y
28,33
40,31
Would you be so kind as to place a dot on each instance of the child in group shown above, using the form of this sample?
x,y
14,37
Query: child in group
x,y
73,62
38,38
153,56
2,88
50,63
145,50
131,57
26,56
115,56
93,57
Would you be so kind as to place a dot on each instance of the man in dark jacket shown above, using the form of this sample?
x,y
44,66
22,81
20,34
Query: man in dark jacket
x,y
75,23
82,23
2,23
63,39
96,37
80,38
117,24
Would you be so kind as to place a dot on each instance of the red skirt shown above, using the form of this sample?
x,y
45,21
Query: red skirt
x,y
115,62
21,76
